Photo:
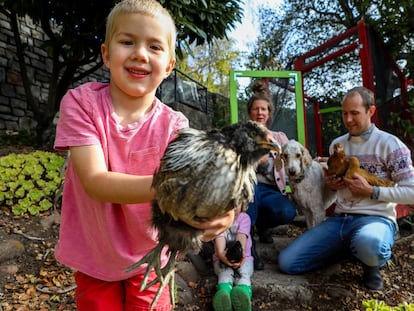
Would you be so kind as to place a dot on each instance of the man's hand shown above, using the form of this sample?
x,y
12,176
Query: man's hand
x,y
358,185
334,183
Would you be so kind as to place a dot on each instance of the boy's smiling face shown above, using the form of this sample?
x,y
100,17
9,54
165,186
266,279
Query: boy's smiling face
x,y
138,55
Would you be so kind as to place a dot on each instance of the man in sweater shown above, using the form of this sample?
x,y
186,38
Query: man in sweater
x,y
364,221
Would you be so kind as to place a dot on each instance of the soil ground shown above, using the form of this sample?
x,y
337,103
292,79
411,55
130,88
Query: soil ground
x,y
34,280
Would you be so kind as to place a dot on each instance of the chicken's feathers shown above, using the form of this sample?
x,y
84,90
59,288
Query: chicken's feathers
x,y
204,174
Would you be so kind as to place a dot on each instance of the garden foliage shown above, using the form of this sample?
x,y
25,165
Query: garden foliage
x,y
374,305
30,183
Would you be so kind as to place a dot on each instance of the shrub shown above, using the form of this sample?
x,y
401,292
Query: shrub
x,y
374,305
30,183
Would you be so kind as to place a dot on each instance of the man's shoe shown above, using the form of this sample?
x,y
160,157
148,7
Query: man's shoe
x,y
257,261
265,236
372,278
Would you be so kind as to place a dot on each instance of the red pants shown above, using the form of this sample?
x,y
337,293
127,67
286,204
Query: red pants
x,y
96,295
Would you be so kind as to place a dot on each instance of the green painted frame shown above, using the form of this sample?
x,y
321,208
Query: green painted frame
x,y
300,105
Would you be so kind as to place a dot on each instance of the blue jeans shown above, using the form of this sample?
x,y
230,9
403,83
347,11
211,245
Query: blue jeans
x,y
270,208
368,238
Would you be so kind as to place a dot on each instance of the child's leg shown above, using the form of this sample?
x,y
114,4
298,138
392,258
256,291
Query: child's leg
x,y
241,294
224,273
221,299
140,301
96,295
245,273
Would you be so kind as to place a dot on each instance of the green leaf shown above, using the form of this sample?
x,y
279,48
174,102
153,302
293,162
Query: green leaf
x,y
35,195
19,210
45,205
20,193
33,210
27,185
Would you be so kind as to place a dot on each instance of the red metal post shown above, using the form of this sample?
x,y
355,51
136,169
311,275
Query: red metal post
x,y
318,129
366,60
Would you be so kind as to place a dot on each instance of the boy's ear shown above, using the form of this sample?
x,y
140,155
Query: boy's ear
x,y
104,54
169,68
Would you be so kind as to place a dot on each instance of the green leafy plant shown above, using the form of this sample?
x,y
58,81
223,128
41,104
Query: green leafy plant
x,y
403,126
30,183
55,298
374,305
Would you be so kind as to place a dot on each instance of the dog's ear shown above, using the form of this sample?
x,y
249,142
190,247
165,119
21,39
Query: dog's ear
x,y
306,157
278,162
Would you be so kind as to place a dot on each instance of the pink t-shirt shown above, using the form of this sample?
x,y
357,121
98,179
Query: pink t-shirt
x,y
103,239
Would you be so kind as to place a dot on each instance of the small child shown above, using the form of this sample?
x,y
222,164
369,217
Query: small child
x,y
234,291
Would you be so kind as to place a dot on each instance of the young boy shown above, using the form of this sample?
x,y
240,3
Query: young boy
x,y
117,134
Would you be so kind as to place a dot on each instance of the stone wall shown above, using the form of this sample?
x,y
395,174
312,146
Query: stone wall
x,y
16,116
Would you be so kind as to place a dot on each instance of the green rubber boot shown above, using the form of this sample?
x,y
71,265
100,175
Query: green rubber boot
x,y
222,300
241,296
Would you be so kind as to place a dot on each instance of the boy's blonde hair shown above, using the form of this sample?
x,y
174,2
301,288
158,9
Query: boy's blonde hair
x,y
146,7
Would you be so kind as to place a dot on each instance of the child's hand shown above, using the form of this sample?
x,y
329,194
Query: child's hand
x,y
214,227
236,265
223,258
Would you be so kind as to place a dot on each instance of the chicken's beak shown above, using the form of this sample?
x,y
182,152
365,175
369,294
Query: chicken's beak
x,y
272,145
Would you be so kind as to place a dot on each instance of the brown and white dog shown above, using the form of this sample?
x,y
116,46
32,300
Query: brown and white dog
x,y
307,181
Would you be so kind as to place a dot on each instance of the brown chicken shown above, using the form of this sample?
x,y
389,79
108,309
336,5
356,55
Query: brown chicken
x,y
202,175
341,165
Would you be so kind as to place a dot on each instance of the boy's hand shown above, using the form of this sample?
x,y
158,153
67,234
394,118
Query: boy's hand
x,y
214,227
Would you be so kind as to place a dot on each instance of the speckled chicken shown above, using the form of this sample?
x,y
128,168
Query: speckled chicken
x,y
202,175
